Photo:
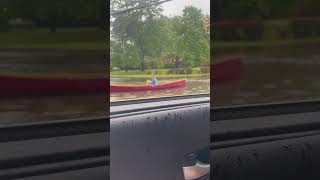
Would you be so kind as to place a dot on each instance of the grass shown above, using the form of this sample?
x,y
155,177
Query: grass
x,y
64,38
276,22
267,43
148,73
159,76
62,46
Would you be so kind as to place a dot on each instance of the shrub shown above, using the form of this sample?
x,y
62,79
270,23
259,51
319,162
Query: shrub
x,y
196,71
238,30
187,71
180,71
205,70
305,27
277,29
161,72
170,71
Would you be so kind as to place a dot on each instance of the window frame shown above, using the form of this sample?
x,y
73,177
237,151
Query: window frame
x,y
36,161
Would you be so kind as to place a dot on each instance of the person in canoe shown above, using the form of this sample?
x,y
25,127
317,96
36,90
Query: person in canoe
x,y
153,81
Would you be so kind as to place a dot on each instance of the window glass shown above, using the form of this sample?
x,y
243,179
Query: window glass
x,y
49,52
159,48
265,51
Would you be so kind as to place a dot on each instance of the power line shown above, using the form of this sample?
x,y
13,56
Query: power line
x,y
140,7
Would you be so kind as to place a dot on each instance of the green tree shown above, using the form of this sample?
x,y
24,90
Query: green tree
x,y
170,39
192,44
139,26
124,56
60,13
245,9
308,8
159,41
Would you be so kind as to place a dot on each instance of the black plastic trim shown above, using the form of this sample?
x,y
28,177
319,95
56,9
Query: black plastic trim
x,y
54,129
150,100
260,110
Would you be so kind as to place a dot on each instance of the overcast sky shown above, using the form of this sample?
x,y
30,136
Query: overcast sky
x,y
175,7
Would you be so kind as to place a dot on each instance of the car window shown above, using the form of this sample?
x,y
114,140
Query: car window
x,y
52,60
159,48
265,52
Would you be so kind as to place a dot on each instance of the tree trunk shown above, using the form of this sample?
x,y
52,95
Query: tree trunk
x,y
4,26
53,25
142,62
153,65
175,60
53,21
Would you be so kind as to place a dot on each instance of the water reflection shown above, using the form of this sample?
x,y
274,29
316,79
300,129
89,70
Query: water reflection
x,y
272,77
15,110
39,109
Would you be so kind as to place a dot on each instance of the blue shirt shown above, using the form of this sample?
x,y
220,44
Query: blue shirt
x,y
154,82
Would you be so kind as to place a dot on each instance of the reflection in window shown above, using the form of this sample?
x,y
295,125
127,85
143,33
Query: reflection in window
x,y
159,48
265,51
43,44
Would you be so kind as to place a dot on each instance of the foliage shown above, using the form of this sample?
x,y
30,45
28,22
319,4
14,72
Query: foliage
x,y
65,38
205,70
180,72
60,13
140,27
265,9
267,30
124,56
192,44
158,41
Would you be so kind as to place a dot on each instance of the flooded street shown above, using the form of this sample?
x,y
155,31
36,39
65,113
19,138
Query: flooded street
x,y
267,77
36,109
194,85
272,77
15,110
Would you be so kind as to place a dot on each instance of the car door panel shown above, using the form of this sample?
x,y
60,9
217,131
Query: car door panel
x,y
153,143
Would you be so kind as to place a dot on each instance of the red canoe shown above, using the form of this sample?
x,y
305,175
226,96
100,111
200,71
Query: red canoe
x,y
24,85
227,70
129,88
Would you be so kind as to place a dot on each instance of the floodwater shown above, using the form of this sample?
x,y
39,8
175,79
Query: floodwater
x,y
288,75
50,108
194,85
23,109
267,77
